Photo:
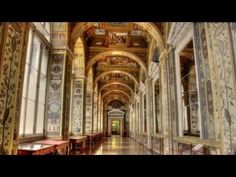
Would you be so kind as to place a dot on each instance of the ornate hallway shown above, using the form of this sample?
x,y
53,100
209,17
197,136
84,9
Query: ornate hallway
x,y
165,87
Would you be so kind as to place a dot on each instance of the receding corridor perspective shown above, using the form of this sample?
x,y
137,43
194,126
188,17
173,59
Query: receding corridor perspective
x,y
117,88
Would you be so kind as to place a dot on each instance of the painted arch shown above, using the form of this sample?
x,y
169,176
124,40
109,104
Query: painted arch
x,y
132,56
116,71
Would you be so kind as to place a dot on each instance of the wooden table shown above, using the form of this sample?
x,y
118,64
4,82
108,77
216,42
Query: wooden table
x,y
75,140
91,138
60,146
35,149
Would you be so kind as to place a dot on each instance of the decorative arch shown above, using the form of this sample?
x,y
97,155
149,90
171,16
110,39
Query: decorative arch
x,y
115,96
107,101
111,99
152,29
119,91
132,56
116,71
114,83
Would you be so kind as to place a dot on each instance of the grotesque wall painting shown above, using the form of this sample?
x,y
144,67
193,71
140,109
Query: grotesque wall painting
x,y
55,94
9,77
88,127
77,106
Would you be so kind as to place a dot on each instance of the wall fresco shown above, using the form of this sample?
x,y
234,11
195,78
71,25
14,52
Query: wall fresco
x,y
89,113
95,110
55,94
222,49
77,106
9,77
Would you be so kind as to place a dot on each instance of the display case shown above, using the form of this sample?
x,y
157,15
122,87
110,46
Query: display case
x,y
62,147
36,149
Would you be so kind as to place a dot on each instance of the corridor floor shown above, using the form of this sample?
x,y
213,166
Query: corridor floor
x,y
117,145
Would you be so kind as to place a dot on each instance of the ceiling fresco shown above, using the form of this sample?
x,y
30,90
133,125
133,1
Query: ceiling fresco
x,y
117,61
116,34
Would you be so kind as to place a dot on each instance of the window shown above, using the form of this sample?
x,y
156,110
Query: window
x,y
157,116
34,88
189,91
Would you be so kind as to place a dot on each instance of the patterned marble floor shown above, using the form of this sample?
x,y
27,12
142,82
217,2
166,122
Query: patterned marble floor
x,y
117,145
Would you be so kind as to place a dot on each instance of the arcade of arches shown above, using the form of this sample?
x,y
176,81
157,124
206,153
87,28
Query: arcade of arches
x,y
167,87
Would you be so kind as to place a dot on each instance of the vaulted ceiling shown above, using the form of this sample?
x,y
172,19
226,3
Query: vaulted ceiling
x,y
117,52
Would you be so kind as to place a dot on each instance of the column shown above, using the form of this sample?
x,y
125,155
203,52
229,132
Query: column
x,y
148,86
95,110
59,83
13,42
89,112
77,106
59,89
